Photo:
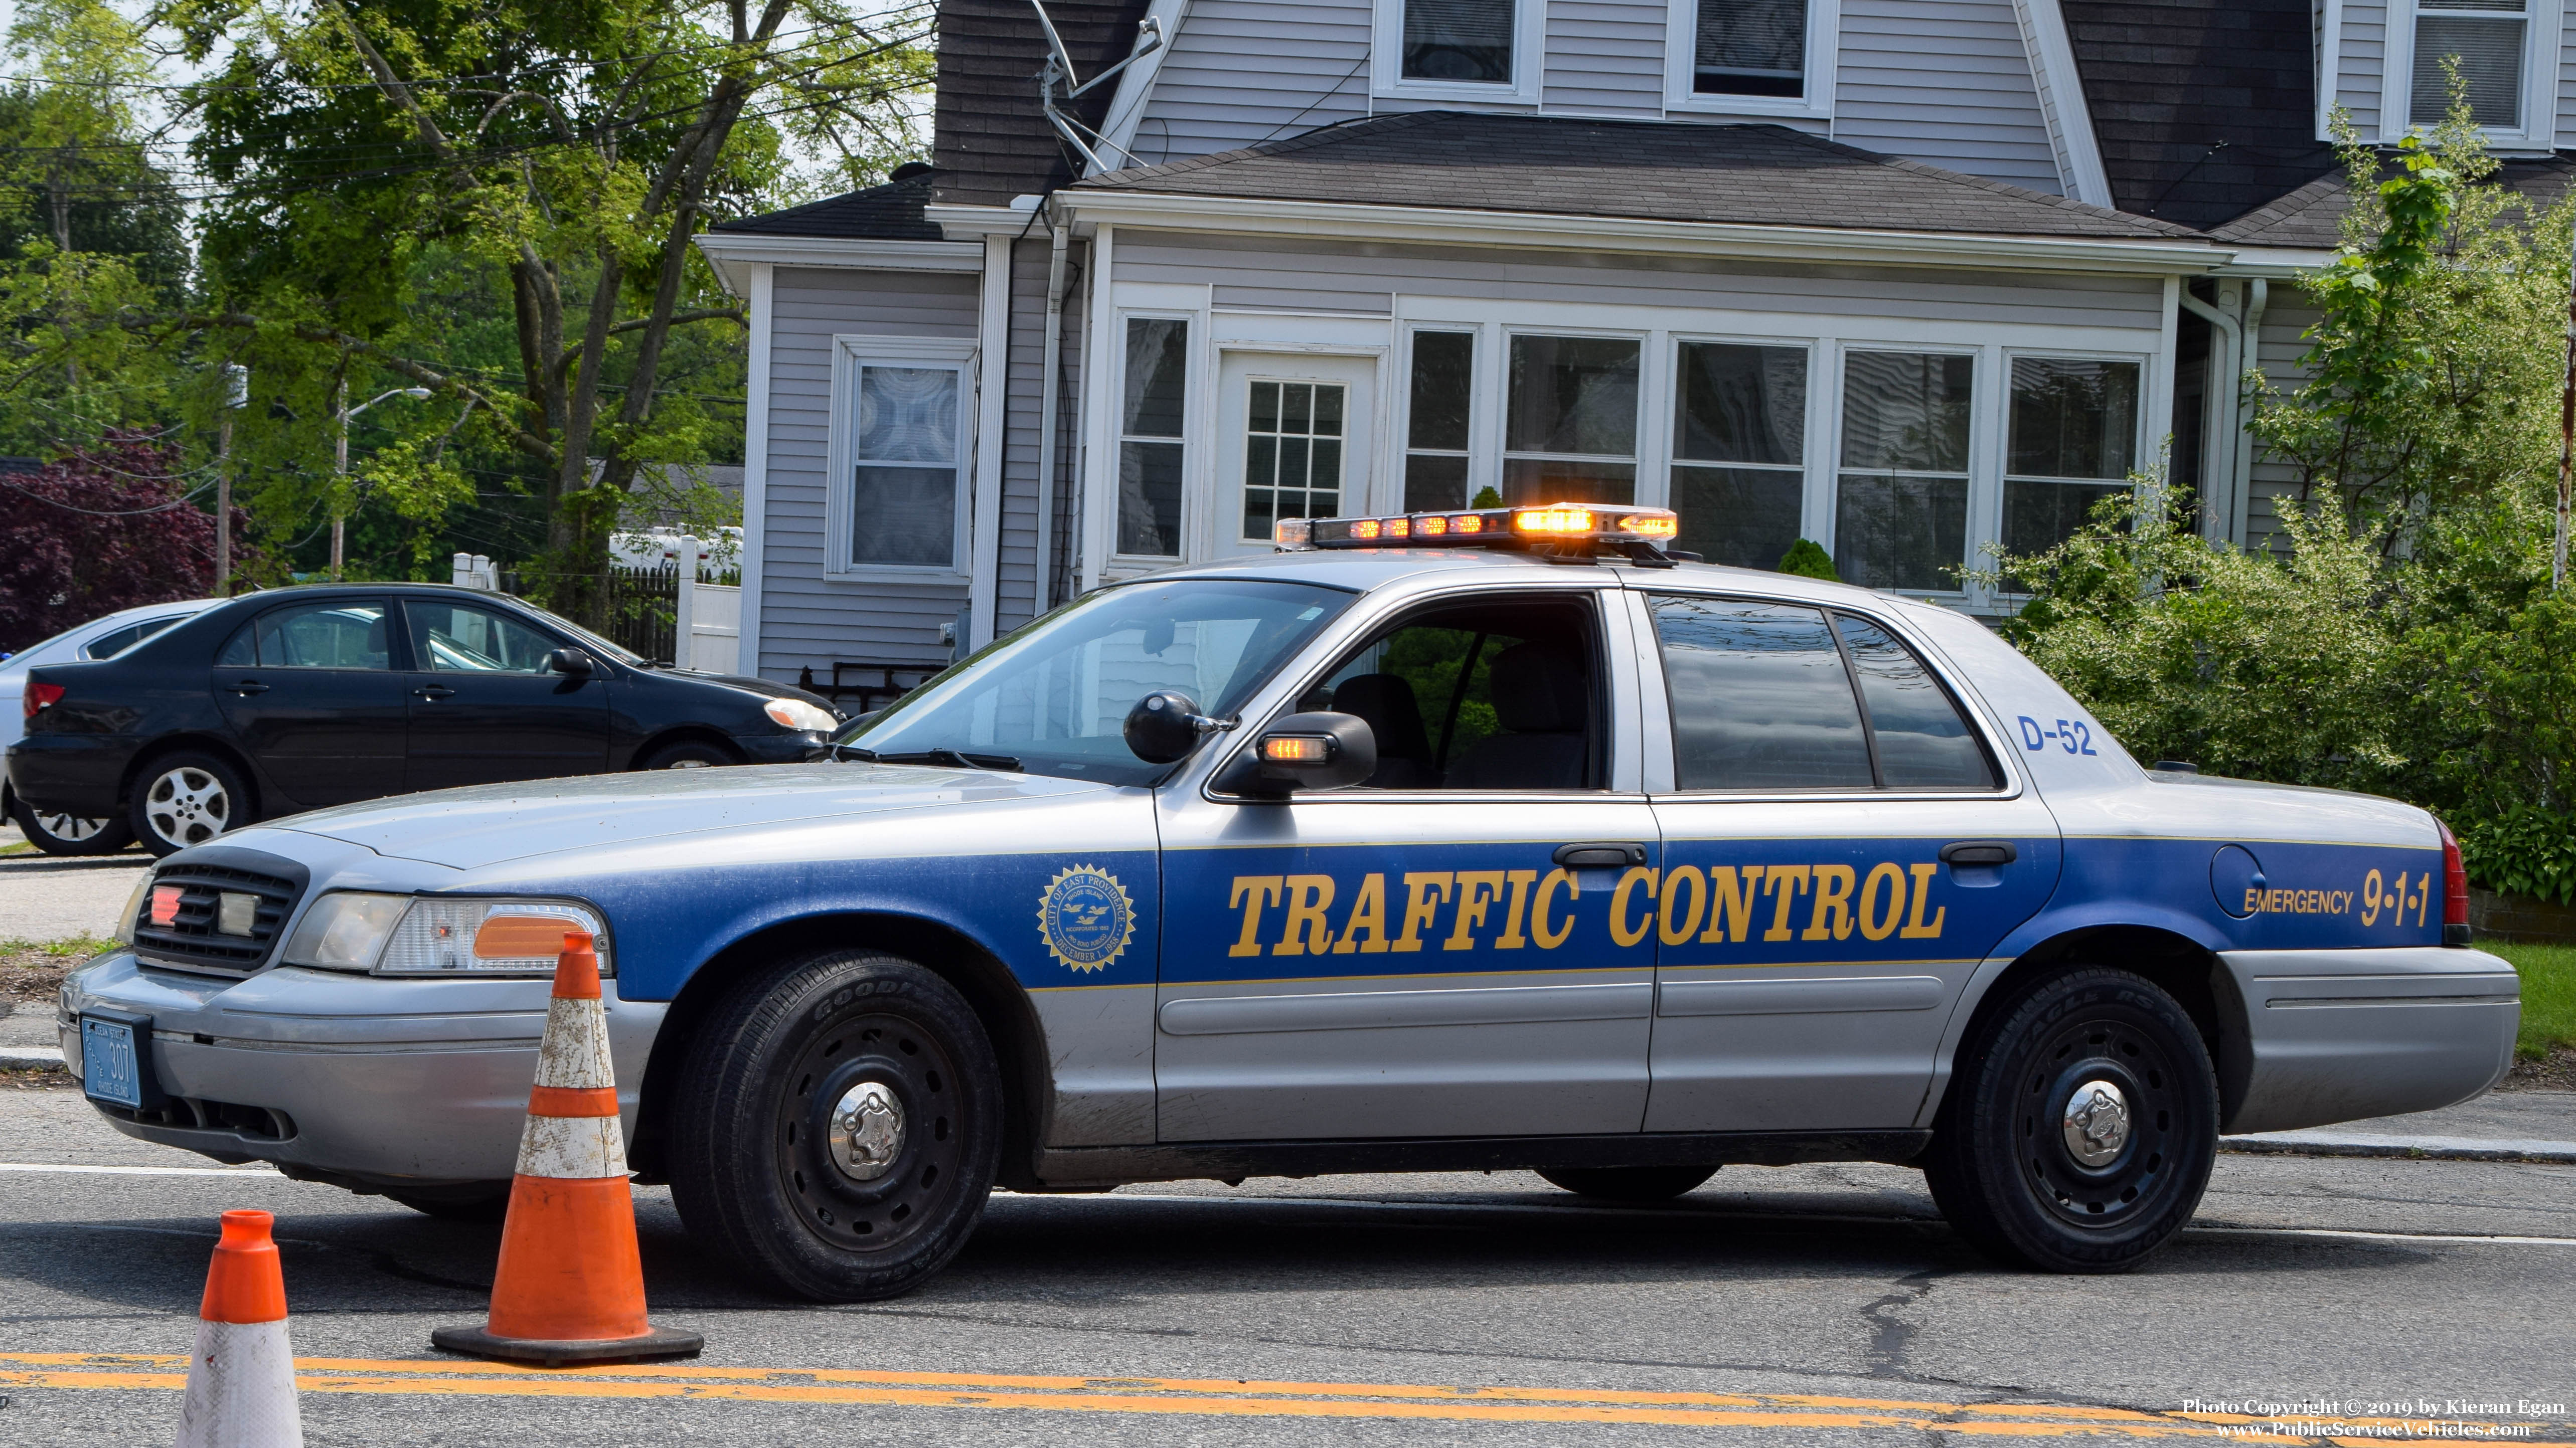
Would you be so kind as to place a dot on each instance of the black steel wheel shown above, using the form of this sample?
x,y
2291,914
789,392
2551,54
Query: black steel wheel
x,y
837,1127
2080,1126
1629,1183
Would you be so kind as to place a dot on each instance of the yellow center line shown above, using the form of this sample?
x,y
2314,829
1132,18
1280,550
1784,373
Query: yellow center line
x,y
1221,1397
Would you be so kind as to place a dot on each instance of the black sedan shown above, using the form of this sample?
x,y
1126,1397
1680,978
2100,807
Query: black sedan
x,y
302,697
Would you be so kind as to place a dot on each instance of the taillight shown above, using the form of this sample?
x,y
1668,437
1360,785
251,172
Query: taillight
x,y
2455,889
40,697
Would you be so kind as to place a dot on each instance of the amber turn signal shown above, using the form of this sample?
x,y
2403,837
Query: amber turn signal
x,y
1296,748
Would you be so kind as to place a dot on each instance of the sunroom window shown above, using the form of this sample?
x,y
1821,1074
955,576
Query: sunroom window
x,y
1570,435
1739,449
2073,441
1149,436
1750,48
1459,40
1901,501
2490,37
1436,424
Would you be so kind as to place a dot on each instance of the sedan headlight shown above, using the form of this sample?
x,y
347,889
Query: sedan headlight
x,y
439,936
798,715
133,908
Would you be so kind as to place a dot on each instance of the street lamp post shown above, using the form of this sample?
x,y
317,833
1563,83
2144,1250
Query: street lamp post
x,y
236,396
339,520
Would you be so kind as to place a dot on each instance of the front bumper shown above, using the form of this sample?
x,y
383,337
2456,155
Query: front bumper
x,y
366,1081
2341,1035
779,748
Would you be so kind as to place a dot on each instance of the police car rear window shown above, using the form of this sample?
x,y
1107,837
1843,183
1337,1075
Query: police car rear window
x,y
1769,696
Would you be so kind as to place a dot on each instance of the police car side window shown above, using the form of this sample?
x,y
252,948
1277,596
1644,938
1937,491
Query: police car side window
x,y
1760,697
1923,741
1493,694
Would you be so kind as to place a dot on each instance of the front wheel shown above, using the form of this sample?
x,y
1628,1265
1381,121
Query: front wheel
x,y
57,832
2080,1126
836,1126
690,754
187,799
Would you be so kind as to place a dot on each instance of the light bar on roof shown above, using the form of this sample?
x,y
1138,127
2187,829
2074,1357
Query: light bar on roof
x,y
1546,525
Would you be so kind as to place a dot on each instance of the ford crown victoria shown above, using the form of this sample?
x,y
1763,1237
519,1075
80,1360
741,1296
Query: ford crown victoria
x,y
1388,858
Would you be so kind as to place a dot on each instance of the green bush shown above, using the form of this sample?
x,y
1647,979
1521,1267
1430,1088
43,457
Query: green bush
x,y
2522,851
1808,559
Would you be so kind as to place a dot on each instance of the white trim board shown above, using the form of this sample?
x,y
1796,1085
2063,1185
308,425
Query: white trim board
x,y
755,468
2061,99
728,252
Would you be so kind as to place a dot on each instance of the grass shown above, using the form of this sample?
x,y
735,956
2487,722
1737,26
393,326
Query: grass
x,y
17,847
2548,996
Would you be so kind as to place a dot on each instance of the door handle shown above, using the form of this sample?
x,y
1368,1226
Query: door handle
x,y
1979,852
1600,855
433,691
250,686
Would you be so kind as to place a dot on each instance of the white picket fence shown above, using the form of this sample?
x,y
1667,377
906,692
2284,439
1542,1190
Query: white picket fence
x,y
709,631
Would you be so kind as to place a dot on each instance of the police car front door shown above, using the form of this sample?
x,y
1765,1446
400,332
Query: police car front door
x,y
1841,849
1427,955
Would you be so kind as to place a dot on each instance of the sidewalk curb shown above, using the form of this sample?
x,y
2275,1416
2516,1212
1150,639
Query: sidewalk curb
x,y
20,1058
2417,1148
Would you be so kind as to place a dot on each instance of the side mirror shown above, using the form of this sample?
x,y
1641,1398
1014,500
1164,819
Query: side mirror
x,y
1303,751
1165,726
575,662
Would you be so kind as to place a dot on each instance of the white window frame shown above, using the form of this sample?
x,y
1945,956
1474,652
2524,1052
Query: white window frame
x,y
1650,395
1529,60
1681,47
2542,39
850,352
1988,519
1985,453
1481,450
1196,420
1814,471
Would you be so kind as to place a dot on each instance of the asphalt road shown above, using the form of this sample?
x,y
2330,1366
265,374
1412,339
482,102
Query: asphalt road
x,y
1796,1305
44,897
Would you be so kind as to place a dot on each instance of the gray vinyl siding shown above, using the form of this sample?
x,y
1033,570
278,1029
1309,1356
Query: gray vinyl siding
x,y
2565,99
2286,319
1329,272
806,617
1946,82
1016,593
1605,58
2361,63
1245,71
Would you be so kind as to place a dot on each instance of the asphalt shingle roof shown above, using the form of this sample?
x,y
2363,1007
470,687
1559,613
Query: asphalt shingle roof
x,y
1650,170
2313,215
891,211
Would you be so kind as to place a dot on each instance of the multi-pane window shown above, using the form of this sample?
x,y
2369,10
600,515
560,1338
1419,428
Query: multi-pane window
x,y
1739,435
1435,436
1901,499
1459,40
1149,436
2073,439
1570,427
904,467
2489,37
1750,48
1292,454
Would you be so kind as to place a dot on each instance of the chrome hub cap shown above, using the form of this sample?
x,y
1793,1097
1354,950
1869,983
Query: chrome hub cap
x,y
2096,1123
867,1132
187,806
71,829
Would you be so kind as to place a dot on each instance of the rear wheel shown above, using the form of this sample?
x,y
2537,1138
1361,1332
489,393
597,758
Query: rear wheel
x,y
187,799
57,832
1629,1183
2080,1126
836,1126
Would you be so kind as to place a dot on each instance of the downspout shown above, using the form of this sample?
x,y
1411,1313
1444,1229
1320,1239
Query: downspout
x,y
1047,392
2254,305
2223,407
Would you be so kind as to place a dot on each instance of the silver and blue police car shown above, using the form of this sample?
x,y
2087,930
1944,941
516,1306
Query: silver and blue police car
x,y
1493,839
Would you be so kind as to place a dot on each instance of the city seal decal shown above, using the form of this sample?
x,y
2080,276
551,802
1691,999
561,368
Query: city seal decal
x,y
1086,917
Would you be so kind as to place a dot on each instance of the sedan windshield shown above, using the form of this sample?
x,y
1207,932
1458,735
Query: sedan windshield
x,y
1053,697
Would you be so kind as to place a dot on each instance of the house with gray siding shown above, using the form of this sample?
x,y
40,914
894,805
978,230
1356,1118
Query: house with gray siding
x,y
1915,279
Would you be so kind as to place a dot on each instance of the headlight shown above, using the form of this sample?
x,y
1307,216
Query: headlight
x,y
133,908
799,715
434,936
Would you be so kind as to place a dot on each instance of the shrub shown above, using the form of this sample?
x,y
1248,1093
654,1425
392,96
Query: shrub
x,y
1808,559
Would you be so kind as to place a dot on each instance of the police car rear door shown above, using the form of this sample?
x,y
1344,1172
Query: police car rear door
x,y
1430,954
1843,842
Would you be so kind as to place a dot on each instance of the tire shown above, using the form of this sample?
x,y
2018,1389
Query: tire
x,y
187,799
756,1168
690,754
57,833
2004,1163
1629,1183
480,1202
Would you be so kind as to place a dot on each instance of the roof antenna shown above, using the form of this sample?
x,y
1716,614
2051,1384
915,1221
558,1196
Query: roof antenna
x,y
1056,86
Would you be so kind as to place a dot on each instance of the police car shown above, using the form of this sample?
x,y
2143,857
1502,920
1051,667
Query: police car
x,y
1494,839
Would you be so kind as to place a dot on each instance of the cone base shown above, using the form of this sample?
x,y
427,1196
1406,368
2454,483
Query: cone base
x,y
653,1343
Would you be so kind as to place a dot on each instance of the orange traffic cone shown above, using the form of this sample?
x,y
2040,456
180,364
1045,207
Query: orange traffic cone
x,y
241,1379
571,1285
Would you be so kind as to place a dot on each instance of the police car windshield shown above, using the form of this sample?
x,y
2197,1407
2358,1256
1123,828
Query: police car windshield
x,y
1054,696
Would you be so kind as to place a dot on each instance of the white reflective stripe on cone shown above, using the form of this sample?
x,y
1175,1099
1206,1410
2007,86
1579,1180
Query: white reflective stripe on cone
x,y
574,1148
241,1389
574,1055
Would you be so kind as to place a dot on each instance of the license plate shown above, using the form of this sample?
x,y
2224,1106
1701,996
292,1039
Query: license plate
x,y
112,1063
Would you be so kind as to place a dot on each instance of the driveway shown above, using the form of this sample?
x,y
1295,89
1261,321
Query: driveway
x,y
45,897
